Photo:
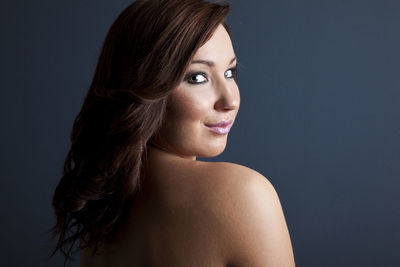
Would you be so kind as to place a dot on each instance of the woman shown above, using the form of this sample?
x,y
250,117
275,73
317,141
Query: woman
x,y
132,193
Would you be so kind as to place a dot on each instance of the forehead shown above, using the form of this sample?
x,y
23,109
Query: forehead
x,y
218,48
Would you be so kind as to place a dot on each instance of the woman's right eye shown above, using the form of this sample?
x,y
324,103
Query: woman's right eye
x,y
196,78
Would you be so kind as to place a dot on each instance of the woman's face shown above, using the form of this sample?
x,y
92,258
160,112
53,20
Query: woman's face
x,y
207,95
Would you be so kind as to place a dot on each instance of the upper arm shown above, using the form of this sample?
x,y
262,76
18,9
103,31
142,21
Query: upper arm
x,y
252,224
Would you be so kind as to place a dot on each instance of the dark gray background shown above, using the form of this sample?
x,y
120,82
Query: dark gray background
x,y
319,117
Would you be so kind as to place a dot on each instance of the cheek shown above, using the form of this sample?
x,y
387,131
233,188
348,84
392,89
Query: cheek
x,y
187,109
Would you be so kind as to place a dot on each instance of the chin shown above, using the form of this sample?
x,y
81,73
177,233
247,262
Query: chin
x,y
212,151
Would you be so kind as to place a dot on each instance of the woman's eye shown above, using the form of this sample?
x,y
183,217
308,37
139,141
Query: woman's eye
x,y
196,78
231,73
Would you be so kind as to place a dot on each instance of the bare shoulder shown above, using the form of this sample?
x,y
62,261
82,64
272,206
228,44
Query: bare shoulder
x,y
236,178
248,216
233,169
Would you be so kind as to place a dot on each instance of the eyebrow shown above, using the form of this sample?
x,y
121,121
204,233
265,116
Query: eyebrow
x,y
209,63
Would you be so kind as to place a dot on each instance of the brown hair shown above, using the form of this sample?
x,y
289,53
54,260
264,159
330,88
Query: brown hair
x,y
143,58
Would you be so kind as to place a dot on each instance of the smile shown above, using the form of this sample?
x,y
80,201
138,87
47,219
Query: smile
x,y
220,128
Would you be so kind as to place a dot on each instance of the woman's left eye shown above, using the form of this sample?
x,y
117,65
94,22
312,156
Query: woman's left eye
x,y
231,73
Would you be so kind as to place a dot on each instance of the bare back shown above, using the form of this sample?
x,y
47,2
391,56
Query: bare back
x,y
169,223
179,220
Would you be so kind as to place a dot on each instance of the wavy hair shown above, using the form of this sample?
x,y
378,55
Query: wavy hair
x,y
143,58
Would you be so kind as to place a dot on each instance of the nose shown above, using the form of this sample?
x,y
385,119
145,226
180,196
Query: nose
x,y
228,96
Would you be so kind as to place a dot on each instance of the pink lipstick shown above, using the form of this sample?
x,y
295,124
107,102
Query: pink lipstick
x,y
222,127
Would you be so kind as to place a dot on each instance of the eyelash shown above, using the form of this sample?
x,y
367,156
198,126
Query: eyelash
x,y
193,74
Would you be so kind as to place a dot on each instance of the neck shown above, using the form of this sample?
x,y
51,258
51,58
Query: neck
x,y
161,152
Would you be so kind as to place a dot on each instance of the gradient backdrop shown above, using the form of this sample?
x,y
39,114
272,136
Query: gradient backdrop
x,y
319,117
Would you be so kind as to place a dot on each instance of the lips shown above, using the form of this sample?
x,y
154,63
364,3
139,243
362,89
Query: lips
x,y
220,124
222,127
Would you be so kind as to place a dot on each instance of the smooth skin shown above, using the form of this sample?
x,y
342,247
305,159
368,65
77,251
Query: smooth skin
x,y
194,213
